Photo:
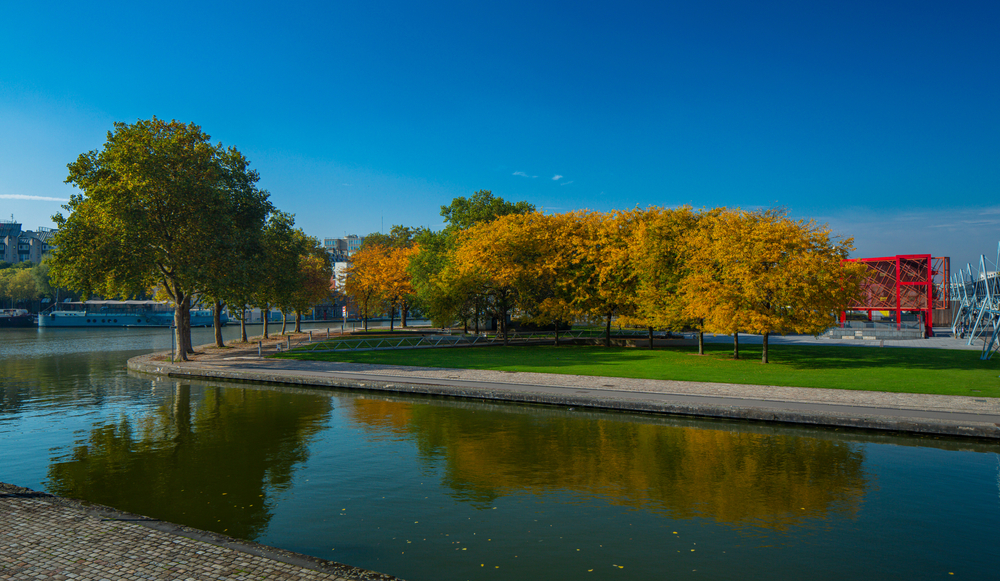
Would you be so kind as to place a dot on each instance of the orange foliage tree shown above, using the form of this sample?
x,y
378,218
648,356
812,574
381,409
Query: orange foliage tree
x,y
396,285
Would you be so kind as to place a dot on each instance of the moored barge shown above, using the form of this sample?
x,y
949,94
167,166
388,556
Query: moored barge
x,y
119,314
16,318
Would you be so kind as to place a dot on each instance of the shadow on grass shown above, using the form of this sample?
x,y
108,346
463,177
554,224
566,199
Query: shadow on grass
x,y
790,356
797,357
850,357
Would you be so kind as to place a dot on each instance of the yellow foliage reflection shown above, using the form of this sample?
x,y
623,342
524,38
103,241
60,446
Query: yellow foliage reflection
x,y
772,480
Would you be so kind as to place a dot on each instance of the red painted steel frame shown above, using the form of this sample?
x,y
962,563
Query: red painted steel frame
x,y
903,283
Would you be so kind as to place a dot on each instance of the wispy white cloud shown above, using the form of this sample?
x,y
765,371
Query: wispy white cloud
x,y
960,233
566,183
556,177
523,175
27,197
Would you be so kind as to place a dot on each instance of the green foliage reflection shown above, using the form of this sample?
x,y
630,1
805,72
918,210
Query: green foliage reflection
x,y
200,463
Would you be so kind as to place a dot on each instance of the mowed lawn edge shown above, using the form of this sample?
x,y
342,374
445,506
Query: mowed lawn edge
x,y
898,370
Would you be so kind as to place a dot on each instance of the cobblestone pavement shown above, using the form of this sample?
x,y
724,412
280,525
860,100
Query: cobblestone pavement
x,y
46,537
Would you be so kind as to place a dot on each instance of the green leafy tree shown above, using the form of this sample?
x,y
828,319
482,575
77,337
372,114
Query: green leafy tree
x,y
315,275
231,279
398,237
157,208
443,291
483,206
277,274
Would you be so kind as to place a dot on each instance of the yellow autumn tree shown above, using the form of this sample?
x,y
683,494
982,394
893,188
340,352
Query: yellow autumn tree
x,y
562,265
658,254
605,282
762,272
502,260
396,285
362,282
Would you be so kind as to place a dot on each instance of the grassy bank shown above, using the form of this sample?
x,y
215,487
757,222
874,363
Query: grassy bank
x,y
934,371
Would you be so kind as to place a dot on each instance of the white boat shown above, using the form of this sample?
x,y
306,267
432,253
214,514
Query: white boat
x,y
119,314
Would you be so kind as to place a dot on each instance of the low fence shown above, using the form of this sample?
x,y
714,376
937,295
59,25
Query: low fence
x,y
446,340
884,325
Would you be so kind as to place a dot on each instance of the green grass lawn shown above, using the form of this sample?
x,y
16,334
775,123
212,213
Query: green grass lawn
x,y
936,371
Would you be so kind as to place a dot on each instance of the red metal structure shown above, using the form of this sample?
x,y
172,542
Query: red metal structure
x,y
906,283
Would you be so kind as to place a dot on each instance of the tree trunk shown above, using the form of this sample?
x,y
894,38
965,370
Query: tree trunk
x,y
466,331
265,311
284,321
736,345
180,300
763,353
298,322
187,326
404,310
555,325
701,342
365,319
181,354
392,317
650,337
217,323
477,317
243,325
607,332
503,321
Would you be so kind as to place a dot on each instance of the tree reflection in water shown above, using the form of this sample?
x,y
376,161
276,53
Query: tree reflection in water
x,y
774,480
208,464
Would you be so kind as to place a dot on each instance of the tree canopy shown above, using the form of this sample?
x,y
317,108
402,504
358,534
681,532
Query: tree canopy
x,y
720,270
762,272
483,206
160,205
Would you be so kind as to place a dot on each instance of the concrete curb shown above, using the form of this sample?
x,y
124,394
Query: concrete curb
x,y
630,402
249,547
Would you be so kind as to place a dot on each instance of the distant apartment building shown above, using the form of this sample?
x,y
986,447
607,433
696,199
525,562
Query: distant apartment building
x,y
17,245
341,249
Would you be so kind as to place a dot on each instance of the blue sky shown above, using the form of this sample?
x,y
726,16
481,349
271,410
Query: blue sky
x,y
882,119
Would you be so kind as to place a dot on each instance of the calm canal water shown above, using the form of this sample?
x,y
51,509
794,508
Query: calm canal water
x,y
434,489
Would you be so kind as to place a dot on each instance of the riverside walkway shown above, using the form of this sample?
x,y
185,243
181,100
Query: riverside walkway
x,y
47,537
916,413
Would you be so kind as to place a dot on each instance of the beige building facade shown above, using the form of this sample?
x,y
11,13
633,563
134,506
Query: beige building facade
x,y
18,245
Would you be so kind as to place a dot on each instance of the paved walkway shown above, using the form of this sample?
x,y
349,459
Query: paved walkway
x,y
47,537
932,414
